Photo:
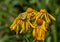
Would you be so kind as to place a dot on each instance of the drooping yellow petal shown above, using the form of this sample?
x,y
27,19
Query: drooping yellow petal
x,y
29,16
42,16
39,37
44,23
48,19
31,24
39,14
35,15
33,32
27,26
36,31
11,26
43,36
44,26
14,27
23,27
53,18
14,23
17,30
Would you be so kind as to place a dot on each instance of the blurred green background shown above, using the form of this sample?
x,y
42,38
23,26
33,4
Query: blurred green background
x,y
9,9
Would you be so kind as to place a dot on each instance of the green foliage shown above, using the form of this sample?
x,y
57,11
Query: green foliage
x,y
9,9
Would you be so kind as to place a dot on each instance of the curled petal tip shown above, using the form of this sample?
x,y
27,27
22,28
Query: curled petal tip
x,y
53,18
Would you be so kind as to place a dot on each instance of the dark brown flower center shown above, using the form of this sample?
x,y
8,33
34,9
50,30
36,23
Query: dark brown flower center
x,y
39,22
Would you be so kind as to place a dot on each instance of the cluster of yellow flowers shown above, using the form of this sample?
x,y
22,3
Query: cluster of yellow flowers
x,y
33,19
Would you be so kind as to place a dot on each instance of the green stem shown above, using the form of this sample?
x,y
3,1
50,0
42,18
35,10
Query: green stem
x,y
27,40
54,32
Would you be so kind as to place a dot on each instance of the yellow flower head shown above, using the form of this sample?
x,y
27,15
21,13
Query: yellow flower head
x,y
39,31
46,15
22,20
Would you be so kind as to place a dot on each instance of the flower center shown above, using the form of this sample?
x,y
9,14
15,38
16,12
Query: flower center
x,y
43,10
39,22
29,10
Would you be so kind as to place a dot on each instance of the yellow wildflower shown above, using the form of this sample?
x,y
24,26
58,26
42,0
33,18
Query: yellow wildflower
x,y
39,30
44,14
22,20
